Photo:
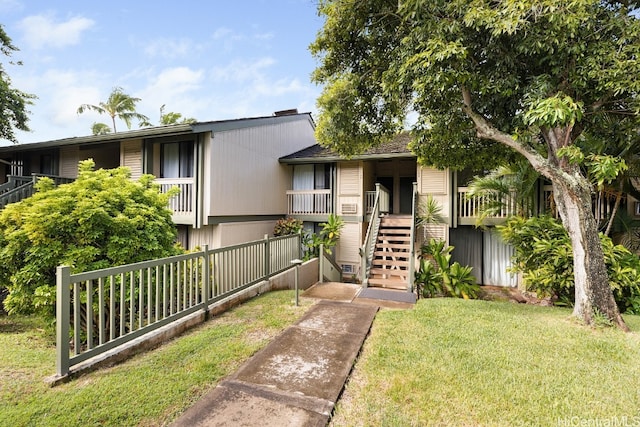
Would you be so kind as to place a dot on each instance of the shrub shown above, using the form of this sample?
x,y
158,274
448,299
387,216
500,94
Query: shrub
x,y
100,220
287,226
328,237
436,276
544,256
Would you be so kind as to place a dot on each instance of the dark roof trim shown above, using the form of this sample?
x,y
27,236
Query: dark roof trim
x,y
335,158
161,131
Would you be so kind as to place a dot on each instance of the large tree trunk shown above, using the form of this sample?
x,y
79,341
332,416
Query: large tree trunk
x,y
592,291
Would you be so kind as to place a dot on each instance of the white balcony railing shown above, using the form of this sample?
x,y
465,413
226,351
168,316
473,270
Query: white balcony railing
x,y
470,207
183,203
309,202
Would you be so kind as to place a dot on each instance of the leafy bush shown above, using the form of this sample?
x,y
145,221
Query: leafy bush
x,y
438,277
287,226
544,256
328,237
100,220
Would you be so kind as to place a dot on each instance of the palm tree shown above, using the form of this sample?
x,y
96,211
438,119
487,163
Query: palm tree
x,y
119,104
100,129
169,118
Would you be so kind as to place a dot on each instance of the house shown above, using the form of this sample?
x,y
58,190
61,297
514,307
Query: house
x,y
324,183
233,188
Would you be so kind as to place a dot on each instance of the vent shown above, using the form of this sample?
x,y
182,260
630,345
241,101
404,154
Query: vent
x,y
347,268
349,208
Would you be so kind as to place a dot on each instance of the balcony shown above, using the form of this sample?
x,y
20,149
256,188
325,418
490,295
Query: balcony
x,y
183,204
309,203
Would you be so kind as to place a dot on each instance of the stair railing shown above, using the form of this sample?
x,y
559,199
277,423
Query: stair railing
x,y
380,205
22,187
412,250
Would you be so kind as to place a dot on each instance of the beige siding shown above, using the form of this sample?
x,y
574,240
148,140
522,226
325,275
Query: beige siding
x,y
245,177
433,181
221,235
350,176
131,157
69,158
348,246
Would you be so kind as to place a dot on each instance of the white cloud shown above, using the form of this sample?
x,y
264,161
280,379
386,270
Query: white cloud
x,y
42,31
168,48
242,71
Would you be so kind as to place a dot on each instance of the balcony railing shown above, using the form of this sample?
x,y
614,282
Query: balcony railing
x,y
471,207
309,202
183,203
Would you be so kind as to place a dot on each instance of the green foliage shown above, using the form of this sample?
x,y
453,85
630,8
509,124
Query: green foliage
x,y
120,105
438,277
287,226
544,255
13,103
102,219
328,237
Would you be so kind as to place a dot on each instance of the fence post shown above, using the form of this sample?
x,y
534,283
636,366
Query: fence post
x,y
206,280
63,314
321,262
267,257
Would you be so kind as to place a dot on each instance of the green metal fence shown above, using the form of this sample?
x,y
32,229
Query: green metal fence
x,y
99,310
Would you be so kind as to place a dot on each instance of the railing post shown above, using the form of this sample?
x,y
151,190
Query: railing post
x,y
321,263
412,248
267,257
63,314
206,280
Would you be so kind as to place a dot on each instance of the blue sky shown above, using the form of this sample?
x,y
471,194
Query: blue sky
x,y
210,60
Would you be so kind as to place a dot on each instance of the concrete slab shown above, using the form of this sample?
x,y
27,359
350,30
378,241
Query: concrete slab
x,y
296,379
333,291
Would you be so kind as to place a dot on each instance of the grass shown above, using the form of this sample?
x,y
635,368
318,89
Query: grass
x,y
148,390
457,362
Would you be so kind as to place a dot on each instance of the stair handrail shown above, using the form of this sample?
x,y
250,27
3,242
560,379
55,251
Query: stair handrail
x,y
27,188
369,240
412,247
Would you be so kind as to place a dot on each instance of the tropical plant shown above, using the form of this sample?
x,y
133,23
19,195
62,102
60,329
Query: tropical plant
x,y
327,238
169,118
287,226
13,102
102,219
100,129
544,256
437,276
486,80
429,213
119,105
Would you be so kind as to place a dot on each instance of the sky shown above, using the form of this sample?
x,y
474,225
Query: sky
x,y
208,60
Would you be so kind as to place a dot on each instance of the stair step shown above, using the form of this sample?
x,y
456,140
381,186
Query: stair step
x,y
396,223
393,246
388,231
388,254
388,272
390,265
394,238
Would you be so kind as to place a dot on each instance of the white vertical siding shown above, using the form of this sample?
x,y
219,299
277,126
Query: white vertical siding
x,y
131,157
350,182
436,183
245,176
69,158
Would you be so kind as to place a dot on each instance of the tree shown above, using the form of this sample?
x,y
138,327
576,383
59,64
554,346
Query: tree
x,y
13,103
100,129
169,118
120,105
102,219
490,81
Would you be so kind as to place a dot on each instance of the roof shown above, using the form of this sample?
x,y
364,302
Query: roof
x,y
397,147
163,131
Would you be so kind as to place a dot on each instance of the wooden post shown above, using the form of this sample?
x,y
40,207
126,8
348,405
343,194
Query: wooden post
x,y
267,257
321,262
63,314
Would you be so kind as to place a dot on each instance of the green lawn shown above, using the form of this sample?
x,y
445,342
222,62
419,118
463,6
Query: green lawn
x,y
470,363
151,388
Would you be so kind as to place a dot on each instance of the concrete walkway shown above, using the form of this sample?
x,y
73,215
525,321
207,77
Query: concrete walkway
x,y
295,380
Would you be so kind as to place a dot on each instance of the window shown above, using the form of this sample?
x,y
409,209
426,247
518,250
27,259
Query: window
x,y
177,160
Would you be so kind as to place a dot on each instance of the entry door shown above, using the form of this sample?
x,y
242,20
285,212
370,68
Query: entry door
x,y
406,195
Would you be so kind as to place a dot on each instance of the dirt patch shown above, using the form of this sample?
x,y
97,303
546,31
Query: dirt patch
x,y
515,295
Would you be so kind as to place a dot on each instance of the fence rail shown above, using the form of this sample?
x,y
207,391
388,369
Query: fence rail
x,y
99,310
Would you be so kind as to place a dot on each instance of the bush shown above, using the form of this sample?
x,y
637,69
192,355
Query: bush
x,y
287,226
544,255
102,219
438,277
328,238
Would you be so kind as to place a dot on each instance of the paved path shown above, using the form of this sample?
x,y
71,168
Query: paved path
x,y
295,380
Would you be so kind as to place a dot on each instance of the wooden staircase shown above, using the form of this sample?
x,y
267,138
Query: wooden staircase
x,y
391,256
